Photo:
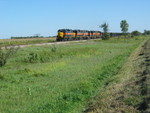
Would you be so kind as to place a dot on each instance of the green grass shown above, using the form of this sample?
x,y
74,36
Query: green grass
x,y
60,78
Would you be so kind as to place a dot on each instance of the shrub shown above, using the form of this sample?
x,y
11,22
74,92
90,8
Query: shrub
x,y
32,58
106,36
135,33
146,32
6,53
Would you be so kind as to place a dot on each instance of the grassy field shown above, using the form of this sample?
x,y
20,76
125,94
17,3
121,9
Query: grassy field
x,y
60,78
8,42
128,91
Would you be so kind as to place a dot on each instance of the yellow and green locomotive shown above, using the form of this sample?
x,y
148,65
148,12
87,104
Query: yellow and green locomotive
x,y
69,34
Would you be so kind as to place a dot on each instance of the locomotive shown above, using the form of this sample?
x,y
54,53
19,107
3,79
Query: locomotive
x,y
69,34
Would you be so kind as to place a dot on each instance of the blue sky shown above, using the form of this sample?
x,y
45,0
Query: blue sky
x,y
45,17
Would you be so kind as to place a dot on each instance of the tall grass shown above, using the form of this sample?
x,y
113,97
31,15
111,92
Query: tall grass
x,y
10,42
60,78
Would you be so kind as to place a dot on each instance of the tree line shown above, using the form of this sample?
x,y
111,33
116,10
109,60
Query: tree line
x,y
124,28
26,37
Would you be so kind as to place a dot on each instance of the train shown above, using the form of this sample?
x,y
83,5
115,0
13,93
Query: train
x,y
69,34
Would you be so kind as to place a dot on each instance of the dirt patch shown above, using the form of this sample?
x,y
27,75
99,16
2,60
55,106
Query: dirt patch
x,y
128,91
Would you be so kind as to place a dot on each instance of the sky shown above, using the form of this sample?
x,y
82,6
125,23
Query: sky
x,y
45,17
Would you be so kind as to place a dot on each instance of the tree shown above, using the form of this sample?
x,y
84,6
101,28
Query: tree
x,y
104,26
135,33
146,32
124,26
106,35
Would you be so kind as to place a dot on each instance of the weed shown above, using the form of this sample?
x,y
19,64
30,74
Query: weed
x,y
1,76
53,48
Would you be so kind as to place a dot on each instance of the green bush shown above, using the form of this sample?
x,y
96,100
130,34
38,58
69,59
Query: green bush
x,y
135,33
6,53
42,56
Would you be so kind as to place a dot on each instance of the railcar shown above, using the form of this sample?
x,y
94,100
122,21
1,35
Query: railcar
x,y
116,34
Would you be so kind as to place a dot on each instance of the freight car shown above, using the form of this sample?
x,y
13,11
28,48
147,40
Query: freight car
x,y
115,34
69,34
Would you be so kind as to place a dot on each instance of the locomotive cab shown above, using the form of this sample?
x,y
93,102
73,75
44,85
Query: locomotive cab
x,y
60,35
65,34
